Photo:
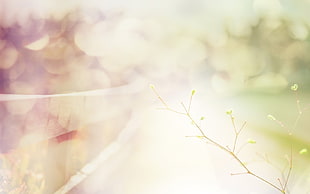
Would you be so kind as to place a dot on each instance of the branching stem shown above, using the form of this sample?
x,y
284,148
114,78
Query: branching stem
x,y
232,153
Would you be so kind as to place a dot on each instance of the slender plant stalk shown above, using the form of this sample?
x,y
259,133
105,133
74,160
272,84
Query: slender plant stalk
x,y
290,169
282,188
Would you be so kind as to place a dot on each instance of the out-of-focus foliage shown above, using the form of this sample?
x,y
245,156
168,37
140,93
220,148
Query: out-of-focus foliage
x,y
271,55
50,47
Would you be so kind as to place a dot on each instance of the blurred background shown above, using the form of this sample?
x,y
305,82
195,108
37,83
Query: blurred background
x,y
78,116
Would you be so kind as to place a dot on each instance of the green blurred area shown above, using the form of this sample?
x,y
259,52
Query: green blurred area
x,y
256,66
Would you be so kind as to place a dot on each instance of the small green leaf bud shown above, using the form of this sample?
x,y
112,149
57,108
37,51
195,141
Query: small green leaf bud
x,y
303,151
294,87
271,117
229,112
252,141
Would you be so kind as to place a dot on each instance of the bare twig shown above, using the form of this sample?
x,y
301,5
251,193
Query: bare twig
x,y
232,153
300,111
290,169
241,147
280,182
172,110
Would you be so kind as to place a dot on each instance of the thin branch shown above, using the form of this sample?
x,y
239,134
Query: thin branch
x,y
226,149
233,123
214,142
280,182
231,153
299,112
281,124
296,122
290,169
159,97
267,182
237,133
243,125
172,110
266,159
235,142
166,107
262,179
197,136
298,103
241,147
240,173
190,102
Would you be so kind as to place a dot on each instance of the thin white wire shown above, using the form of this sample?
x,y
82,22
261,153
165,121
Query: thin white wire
x,y
128,89
104,155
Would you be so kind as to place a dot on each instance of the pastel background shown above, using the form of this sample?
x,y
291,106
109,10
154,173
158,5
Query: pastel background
x,y
77,114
